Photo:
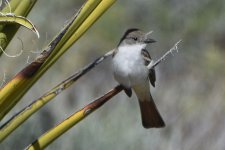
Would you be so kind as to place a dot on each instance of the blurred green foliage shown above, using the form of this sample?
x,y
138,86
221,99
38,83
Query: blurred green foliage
x,y
189,88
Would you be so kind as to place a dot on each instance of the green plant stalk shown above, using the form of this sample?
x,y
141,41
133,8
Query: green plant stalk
x,y
24,7
23,115
13,5
99,10
23,80
19,8
19,20
23,76
3,40
6,9
84,12
17,87
64,126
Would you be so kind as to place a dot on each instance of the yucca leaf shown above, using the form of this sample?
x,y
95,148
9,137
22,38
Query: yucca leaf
x,y
29,110
16,8
20,84
64,126
9,18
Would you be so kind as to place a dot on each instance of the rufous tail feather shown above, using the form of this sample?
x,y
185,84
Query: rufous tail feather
x,y
150,114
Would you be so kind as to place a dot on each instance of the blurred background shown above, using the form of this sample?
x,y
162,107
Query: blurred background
x,y
189,90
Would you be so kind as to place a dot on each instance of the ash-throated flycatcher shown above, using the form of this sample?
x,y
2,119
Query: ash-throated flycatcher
x,y
130,60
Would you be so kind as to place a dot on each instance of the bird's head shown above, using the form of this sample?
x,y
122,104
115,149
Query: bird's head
x,y
135,36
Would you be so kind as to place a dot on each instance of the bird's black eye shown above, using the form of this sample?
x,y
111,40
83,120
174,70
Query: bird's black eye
x,y
134,38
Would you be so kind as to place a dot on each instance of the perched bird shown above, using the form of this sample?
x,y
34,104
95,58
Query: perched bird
x,y
130,60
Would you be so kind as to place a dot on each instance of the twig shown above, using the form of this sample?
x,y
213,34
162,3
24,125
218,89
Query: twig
x,y
88,67
174,48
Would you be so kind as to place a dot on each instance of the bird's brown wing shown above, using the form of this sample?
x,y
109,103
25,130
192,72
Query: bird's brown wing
x,y
148,59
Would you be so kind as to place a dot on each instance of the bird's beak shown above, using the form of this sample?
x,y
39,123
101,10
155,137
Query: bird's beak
x,y
149,40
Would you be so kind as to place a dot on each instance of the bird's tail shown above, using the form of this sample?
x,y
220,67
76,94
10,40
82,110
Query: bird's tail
x,y
150,114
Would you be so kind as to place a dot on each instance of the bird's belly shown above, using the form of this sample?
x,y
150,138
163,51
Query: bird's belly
x,y
130,70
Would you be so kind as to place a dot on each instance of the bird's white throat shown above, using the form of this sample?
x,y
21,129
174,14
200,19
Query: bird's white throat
x,y
131,51
129,65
